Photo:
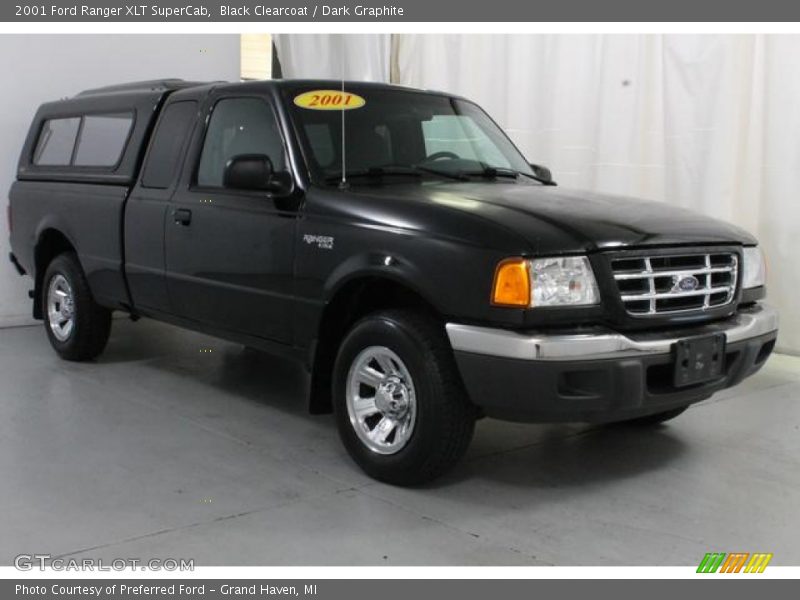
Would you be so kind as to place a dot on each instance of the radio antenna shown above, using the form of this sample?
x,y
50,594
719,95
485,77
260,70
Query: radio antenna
x,y
343,183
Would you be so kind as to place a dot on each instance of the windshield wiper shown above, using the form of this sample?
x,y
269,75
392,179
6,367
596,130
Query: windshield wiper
x,y
374,173
487,171
535,178
490,172
457,175
378,173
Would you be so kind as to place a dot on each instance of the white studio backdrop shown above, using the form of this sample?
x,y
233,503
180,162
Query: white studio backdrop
x,y
40,68
330,56
708,122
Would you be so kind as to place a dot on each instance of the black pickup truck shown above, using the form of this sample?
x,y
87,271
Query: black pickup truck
x,y
396,242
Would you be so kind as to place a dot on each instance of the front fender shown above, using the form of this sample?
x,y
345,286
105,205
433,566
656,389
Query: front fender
x,y
382,265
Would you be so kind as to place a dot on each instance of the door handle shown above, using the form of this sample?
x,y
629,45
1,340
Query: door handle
x,y
182,216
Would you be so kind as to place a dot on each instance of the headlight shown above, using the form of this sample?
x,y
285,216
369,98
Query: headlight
x,y
563,282
530,283
754,268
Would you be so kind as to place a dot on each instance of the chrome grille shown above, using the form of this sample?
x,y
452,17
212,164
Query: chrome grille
x,y
662,284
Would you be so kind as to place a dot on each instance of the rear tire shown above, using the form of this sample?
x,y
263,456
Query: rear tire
x,y
400,406
77,327
656,419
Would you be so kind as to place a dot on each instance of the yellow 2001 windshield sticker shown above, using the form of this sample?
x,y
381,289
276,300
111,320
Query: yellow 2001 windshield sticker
x,y
329,100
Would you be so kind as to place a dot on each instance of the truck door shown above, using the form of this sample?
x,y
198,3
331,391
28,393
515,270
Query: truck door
x,y
146,208
229,252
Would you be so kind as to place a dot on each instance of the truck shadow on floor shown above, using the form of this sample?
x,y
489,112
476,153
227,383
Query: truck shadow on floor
x,y
232,370
568,456
249,389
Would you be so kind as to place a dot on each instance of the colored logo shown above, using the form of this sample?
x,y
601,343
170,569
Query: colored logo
x,y
735,562
685,283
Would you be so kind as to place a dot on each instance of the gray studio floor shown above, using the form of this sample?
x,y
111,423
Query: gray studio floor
x,y
178,445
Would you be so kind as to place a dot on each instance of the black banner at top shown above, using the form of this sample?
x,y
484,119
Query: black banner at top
x,y
400,11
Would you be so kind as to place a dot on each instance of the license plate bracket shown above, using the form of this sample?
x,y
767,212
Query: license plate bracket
x,y
699,359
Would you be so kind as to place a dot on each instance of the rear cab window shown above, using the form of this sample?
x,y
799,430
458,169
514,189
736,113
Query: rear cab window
x,y
166,148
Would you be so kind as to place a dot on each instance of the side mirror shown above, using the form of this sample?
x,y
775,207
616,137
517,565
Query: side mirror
x,y
543,174
254,172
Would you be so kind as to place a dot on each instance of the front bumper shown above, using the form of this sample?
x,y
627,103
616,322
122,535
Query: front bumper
x,y
599,375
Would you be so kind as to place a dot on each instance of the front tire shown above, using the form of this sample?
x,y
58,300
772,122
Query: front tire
x,y
401,409
77,327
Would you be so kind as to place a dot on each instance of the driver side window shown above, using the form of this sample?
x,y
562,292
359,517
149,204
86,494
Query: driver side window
x,y
238,126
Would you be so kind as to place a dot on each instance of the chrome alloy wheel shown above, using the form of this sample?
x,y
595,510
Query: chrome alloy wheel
x,y
381,401
60,308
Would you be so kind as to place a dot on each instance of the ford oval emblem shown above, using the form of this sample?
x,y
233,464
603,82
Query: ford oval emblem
x,y
685,283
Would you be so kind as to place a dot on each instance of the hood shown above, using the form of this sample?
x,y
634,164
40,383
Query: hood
x,y
554,220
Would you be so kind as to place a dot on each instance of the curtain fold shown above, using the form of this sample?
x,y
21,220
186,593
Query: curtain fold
x,y
334,56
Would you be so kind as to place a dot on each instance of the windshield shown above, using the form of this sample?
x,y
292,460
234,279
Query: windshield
x,y
399,132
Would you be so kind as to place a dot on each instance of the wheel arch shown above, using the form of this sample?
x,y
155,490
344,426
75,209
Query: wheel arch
x,y
50,242
352,297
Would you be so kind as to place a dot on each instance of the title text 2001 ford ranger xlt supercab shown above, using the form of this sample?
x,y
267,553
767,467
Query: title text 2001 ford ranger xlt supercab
x,y
394,240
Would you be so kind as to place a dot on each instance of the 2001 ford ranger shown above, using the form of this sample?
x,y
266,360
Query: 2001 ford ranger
x,y
394,240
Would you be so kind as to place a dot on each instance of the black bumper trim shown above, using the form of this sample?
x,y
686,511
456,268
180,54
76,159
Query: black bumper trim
x,y
596,391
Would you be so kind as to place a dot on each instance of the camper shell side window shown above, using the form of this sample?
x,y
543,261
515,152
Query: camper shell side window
x,y
94,137
89,140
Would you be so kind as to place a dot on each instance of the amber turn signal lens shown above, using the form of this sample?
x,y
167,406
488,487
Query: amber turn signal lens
x,y
512,284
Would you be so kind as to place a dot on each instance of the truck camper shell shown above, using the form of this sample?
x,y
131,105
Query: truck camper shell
x,y
117,117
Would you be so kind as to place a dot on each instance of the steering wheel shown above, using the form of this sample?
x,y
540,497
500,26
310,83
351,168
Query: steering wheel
x,y
441,155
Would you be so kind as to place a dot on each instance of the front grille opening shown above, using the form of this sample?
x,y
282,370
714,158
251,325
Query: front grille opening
x,y
718,299
639,307
681,303
722,260
663,284
672,263
633,286
721,279
623,265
